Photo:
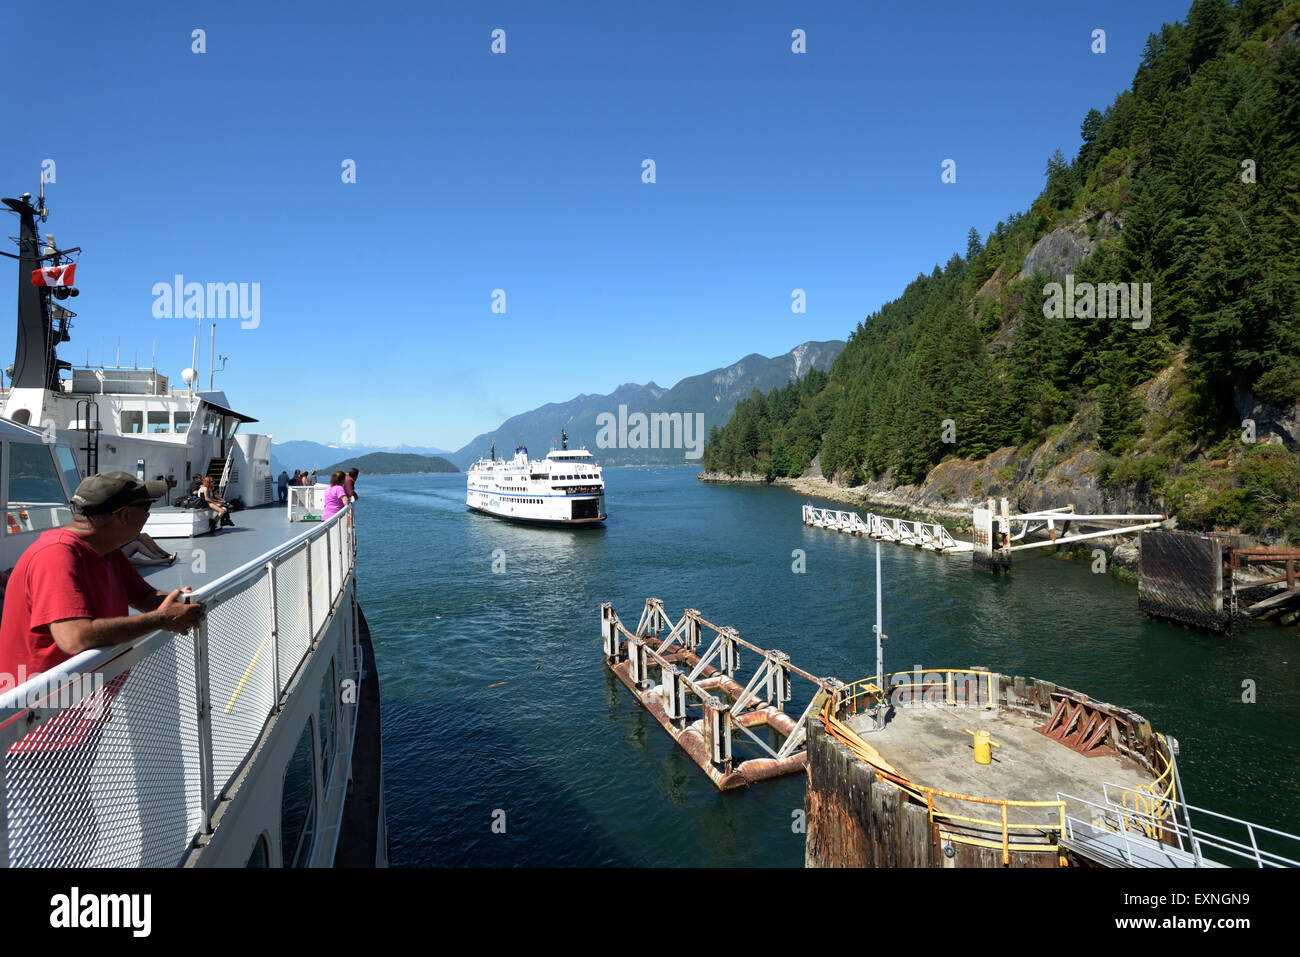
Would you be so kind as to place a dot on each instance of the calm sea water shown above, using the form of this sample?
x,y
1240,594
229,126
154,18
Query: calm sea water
x,y
497,705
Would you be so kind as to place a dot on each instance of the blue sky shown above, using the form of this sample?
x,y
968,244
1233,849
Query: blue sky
x,y
522,171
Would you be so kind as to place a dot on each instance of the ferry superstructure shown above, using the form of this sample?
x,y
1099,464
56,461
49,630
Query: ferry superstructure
x,y
251,741
117,419
565,488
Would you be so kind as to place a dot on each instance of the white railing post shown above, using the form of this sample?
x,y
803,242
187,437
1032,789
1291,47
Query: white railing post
x,y
329,572
206,786
311,621
275,634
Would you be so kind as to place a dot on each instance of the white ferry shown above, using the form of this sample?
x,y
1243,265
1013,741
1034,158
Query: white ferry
x,y
565,488
254,739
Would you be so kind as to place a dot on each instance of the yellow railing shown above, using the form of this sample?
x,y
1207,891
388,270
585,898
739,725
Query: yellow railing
x,y
851,694
1152,803
866,687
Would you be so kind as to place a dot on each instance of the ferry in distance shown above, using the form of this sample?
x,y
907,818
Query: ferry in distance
x,y
565,488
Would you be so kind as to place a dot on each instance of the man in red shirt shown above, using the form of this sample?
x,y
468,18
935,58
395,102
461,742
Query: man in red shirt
x,y
350,484
71,591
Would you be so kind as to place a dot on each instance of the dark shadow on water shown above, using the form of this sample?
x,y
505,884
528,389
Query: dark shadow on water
x,y
459,765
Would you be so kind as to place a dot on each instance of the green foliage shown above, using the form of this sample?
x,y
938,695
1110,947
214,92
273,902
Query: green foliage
x,y
1259,491
1216,240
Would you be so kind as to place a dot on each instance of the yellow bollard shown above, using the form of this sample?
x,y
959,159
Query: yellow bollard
x,y
983,742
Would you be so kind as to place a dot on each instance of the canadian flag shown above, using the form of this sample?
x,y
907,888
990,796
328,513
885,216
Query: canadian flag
x,y
54,275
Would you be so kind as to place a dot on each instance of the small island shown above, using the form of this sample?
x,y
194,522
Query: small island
x,y
392,463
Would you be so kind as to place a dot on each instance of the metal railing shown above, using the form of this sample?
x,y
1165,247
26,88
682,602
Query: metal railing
x,y
120,756
1041,837
1155,822
928,535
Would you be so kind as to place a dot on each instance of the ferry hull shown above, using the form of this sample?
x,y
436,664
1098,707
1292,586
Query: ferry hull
x,y
547,522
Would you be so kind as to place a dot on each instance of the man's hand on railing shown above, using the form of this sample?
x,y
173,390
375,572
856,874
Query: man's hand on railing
x,y
177,616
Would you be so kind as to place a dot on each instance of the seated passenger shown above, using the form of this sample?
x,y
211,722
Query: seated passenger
x,y
215,501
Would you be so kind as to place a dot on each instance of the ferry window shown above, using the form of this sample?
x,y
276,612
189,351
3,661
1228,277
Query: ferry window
x,y
36,497
132,422
327,696
158,423
261,856
298,804
71,474
182,422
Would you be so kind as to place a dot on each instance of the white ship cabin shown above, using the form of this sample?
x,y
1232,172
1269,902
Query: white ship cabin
x,y
37,480
130,420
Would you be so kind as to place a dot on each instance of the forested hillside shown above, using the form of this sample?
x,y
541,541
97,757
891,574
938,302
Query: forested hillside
x,y
1188,181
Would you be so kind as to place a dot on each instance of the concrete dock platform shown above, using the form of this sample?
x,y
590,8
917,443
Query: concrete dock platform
x,y
930,746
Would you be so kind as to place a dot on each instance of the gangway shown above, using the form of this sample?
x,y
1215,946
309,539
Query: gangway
x,y
1120,835
993,539
928,535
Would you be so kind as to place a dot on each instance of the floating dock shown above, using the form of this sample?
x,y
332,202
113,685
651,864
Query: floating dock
x,y
994,537
699,698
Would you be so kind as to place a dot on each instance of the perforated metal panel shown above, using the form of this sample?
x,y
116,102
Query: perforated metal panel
x,y
291,601
114,780
239,674
320,594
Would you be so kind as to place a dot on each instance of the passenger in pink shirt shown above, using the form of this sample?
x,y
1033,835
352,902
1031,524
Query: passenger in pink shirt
x,y
334,497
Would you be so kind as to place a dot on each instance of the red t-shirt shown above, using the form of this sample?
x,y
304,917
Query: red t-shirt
x,y
60,576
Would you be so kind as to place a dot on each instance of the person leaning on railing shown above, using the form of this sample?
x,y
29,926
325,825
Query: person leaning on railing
x,y
72,589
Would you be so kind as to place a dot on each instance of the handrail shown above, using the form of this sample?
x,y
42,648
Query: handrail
x,y
865,753
169,679
1253,852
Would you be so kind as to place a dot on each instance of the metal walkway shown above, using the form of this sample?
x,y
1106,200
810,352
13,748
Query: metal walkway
x,y
1163,835
1119,849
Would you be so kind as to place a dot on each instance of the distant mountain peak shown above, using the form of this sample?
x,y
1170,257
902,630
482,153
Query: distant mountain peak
x,y
712,395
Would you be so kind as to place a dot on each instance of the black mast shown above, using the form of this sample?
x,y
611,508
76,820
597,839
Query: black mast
x,y
35,364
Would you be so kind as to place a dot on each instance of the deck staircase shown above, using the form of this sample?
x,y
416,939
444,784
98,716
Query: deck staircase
x,y
217,472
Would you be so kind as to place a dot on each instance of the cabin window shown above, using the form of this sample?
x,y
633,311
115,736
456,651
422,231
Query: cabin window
x,y
182,422
298,804
261,856
327,697
71,474
158,423
36,497
132,422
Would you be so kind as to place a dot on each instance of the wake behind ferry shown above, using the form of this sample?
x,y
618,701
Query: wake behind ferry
x,y
565,488
253,740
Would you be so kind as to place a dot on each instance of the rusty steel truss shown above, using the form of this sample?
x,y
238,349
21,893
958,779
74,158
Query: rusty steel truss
x,y
674,675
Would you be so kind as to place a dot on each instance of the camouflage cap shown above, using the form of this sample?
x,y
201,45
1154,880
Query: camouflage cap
x,y
101,494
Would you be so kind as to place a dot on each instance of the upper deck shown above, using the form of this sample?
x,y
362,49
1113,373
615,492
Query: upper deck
x,y
205,558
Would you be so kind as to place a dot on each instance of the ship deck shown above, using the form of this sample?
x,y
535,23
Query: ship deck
x,y
931,747
256,531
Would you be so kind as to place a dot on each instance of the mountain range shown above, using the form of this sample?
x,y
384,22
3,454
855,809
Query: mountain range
x,y
708,398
